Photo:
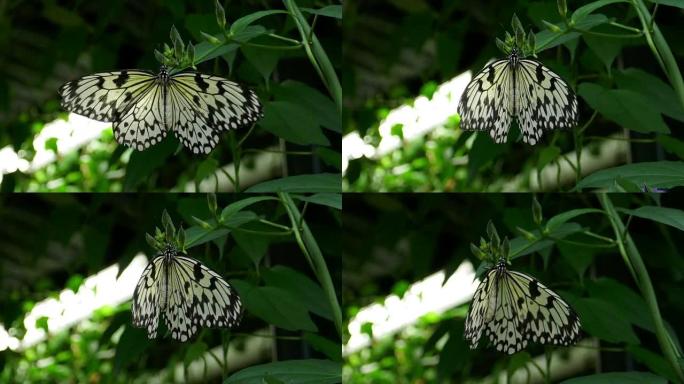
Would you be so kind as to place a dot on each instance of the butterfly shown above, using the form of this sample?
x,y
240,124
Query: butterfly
x,y
519,89
144,106
186,293
512,309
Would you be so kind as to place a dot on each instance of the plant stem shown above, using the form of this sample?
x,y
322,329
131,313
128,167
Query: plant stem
x,y
632,258
309,246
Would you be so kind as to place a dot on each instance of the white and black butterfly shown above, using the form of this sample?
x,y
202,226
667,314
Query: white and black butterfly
x,y
512,309
143,106
188,295
517,89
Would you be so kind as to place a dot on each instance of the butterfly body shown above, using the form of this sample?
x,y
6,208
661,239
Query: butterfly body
x,y
512,309
144,106
517,89
186,294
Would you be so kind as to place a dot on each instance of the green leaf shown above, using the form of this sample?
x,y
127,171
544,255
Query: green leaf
x,y
329,156
240,24
547,155
653,361
300,286
606,49
206,51
329,11
602,319
197,235
627,108
309,371
672,145
293,123
333,200
318,183
323,107
239,205
276,306
659,93
329,348
561,218
194,352
584,11
629,304
671,3
132,343
264,60
618,377
255,246
668,216
206,168
658,174
521,246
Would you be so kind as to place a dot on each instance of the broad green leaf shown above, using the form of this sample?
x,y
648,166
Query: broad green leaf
x,y
672,145
276,306
658,174
627,108
264,60
333,200
132,343
520,246
300,286
293,123
601,318
318,183
194,352
329,348
669,216
309,371
547,155
606,49
255,246
205,169
323,107
651,87
655,362
582,12
561,218
239,205
240,24
197,235
330,11
629,305
671,3
618,377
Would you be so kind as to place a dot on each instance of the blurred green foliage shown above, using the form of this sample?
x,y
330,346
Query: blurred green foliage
x,y
623,65
392,240
52,242
46,44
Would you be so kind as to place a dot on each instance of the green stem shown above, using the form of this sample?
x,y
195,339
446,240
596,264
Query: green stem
x,y
276,225
309,246
632,257
610,35
660,48
283,38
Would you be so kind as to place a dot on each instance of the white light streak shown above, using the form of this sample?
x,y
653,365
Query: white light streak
x,y
426,296
97,291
